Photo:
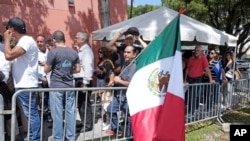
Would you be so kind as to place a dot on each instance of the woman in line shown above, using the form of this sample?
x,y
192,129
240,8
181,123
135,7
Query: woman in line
x,y
231,73
104,73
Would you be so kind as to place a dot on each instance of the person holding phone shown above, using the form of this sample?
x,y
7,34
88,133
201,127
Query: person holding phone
x,y
24,57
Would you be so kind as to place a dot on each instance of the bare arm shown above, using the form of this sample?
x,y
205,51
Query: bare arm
x,y
144,44
208,73
118,80
9,53
111,79
47,68
112,43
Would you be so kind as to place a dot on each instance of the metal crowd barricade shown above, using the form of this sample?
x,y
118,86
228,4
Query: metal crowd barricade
x,y
97,108
2,133
235,96
202,102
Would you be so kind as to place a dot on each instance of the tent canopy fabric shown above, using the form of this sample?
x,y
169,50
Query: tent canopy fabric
x,y
152,23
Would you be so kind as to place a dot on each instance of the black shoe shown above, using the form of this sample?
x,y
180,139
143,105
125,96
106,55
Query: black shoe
x,y
50,126
79,125
85,129
98,99
49,119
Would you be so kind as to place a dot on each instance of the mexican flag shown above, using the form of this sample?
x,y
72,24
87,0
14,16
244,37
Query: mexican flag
x,y
155,94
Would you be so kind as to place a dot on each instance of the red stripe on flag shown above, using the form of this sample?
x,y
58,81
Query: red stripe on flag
x,y
161,123
171,123
144,124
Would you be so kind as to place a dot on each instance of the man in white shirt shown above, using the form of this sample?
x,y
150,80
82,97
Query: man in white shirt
x,y
4,64
84,79
24,57
42,55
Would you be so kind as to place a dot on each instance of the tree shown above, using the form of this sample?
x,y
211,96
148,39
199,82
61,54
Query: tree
x,y
231,16
141,9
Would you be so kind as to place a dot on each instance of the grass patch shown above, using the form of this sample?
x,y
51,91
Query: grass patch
x,y
241,116
212,130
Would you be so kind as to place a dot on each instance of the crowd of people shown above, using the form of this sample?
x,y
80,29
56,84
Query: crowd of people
x,y
28,62
41,62
200,67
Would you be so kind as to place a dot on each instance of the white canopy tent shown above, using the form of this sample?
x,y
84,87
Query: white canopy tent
x,y
152,23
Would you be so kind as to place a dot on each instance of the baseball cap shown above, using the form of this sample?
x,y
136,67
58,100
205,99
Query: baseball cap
x,y
17,23
132,30
128,36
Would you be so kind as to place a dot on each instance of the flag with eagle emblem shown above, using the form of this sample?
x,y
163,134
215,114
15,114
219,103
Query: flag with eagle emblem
x,y
155,94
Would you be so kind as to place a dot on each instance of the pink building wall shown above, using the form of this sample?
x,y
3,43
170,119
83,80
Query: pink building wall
x,y
46,16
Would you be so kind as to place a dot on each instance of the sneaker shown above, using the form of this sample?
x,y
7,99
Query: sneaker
x,y
49,120
104,128
104,124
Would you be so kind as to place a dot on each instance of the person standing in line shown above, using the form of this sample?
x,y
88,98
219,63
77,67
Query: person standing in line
x,y
24,57
42,55
105,72
196,66
119,101
49,45
132,37
9,89
5,65
62,62
84,80
215,67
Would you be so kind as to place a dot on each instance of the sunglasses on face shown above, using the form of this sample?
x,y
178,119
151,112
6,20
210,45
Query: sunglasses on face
x,y
100,52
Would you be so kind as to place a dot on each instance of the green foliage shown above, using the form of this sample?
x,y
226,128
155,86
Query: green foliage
x,y
231,16
141,9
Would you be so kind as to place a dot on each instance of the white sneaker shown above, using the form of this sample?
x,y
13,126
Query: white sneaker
x,y
104,124
105,127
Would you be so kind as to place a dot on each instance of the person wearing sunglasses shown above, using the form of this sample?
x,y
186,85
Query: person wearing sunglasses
x,y
131,37
211,91
105,74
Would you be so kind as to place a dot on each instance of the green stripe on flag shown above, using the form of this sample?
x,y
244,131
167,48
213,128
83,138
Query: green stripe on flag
x,y
164,45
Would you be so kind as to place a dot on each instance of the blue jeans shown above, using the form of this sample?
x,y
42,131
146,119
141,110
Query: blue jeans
x,y
33,116
99,82
192,98
115,106
60,101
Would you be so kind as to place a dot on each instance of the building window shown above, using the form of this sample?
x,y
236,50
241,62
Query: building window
x,y
71,2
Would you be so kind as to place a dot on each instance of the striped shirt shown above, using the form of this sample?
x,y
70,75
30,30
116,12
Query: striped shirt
x,y
213,73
